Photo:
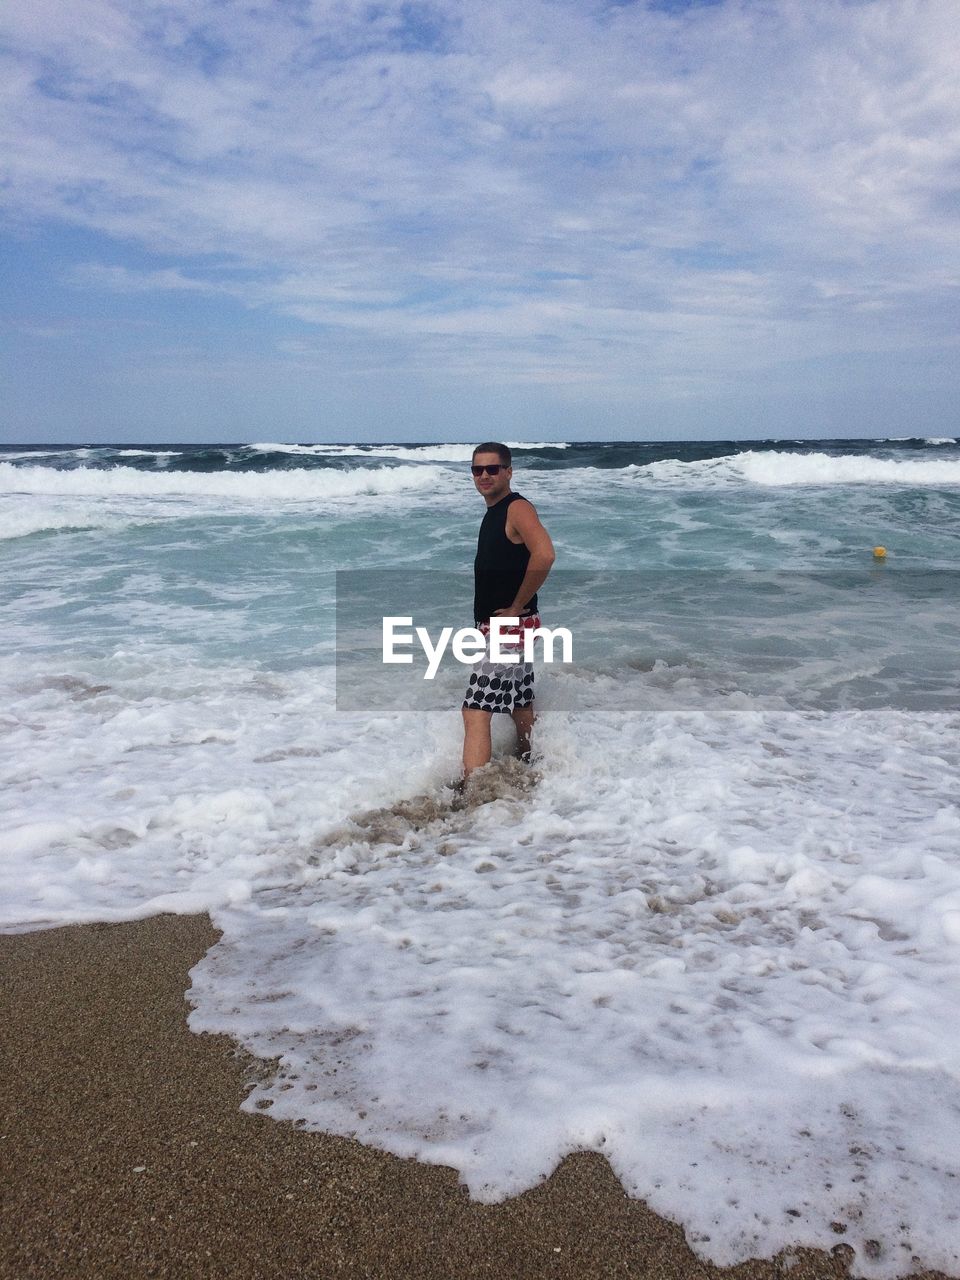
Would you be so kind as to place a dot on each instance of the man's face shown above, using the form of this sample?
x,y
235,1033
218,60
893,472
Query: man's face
x,y
495,487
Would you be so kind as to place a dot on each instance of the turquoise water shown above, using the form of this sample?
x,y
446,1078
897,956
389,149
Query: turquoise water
x,y
230,553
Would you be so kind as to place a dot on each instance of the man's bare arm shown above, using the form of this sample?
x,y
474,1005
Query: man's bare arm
x,y
522,519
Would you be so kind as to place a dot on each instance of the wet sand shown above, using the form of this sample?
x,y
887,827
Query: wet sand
x,y
124,1153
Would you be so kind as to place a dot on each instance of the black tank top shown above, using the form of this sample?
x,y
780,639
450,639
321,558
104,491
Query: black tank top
x,y
500,565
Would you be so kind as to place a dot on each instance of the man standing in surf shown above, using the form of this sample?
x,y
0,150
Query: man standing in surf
x,y
514,556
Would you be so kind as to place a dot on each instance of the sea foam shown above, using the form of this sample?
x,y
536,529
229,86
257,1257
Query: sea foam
x,y
707,943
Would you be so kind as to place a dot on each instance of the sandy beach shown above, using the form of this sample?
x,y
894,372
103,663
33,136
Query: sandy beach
x,y
126,1153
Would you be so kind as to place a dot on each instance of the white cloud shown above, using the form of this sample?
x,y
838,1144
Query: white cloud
x,y
123,280
519,87
738,183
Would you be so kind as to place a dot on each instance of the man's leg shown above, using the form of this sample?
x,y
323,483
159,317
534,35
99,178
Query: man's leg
x,y
523,718
476,739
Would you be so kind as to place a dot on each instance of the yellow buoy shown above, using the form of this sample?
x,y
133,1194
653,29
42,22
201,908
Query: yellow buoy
x,y
879,553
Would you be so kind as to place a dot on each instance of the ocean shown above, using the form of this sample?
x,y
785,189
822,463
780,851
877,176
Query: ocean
x,y
711,931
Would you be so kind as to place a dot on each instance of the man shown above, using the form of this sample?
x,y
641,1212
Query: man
x,y
514,556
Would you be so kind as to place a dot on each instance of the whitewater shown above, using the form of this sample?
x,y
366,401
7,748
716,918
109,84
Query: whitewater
x,y
713,931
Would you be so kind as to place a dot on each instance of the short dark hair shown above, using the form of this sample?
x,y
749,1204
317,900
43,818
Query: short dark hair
x,y
501,450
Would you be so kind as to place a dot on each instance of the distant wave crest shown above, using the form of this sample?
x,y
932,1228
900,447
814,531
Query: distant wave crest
x,y
410,453
787,468
289,485
823,469
42,499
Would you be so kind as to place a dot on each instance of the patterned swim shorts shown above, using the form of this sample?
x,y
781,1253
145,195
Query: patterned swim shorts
x,y
502,686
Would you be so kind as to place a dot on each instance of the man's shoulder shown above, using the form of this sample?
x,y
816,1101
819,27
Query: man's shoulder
x,y
522,516
519,503
520,507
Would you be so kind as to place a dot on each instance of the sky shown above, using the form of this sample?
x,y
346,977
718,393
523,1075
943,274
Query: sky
x,y
308,220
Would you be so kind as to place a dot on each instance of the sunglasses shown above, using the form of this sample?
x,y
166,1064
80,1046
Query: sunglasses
x,y
493,469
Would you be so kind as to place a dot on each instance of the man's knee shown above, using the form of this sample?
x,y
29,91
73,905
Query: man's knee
x,y
476,721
